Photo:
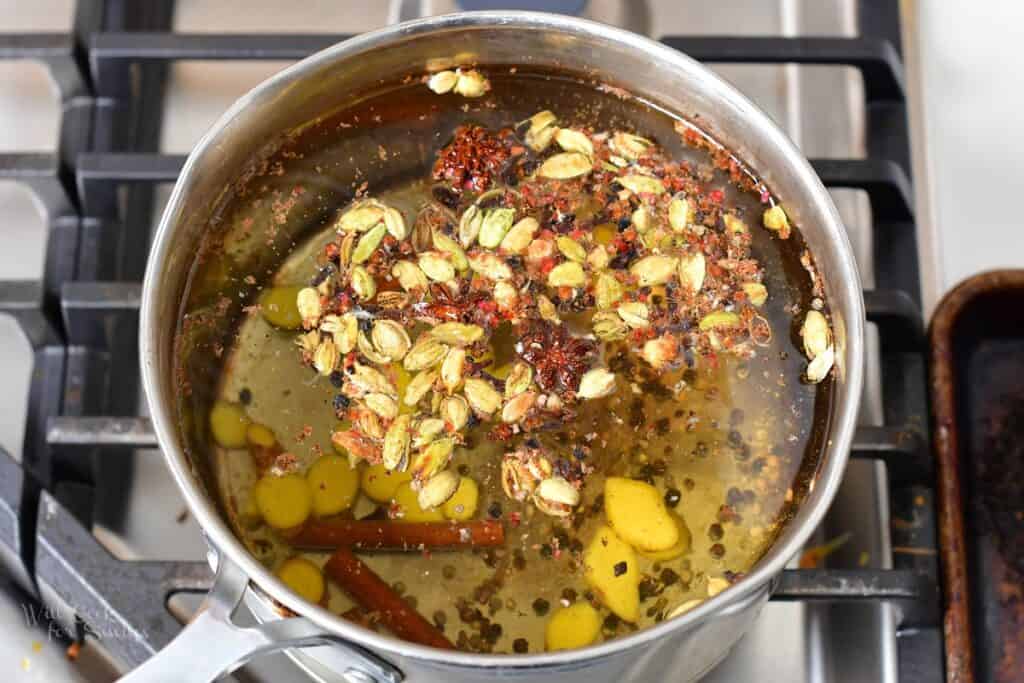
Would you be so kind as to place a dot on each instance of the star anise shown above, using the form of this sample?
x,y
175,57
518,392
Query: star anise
x,y
558,358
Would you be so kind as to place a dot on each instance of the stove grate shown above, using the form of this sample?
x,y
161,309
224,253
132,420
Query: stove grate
x,y
81,317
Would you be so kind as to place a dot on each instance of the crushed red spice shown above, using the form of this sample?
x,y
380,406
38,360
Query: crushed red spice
x,y
473,157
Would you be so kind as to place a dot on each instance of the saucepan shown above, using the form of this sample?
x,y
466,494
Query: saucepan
x,y
330,647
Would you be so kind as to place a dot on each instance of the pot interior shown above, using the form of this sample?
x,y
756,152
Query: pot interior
x,y
258,201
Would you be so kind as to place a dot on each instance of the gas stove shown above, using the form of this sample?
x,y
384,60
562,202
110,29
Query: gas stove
x,y
102,101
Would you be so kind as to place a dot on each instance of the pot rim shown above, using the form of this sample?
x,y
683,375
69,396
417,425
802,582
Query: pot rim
x,y
841,429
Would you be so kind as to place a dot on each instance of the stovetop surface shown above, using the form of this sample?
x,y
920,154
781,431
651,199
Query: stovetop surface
x,y
137,512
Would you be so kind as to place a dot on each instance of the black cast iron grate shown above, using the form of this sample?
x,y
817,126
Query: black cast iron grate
x,y
81,318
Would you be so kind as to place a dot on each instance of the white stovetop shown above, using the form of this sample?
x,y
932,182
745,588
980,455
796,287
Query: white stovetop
x,y
965,94
964,62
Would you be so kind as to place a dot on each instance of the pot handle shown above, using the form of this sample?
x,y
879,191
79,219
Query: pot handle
x,y
211,645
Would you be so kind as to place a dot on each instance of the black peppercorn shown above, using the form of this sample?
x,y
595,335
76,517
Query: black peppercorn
x,y
717,551
672,497
521,645
620,568
541,607
668,576
734,496
648,588
245,396
341,402
494,510
715,532
337,379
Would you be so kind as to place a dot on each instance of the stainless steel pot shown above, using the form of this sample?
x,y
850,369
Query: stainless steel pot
x,y
680,649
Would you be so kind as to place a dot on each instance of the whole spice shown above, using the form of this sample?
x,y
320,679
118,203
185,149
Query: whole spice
x,y
363,585
549,267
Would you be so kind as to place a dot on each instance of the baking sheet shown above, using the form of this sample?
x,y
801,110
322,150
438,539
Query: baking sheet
x,y
977,382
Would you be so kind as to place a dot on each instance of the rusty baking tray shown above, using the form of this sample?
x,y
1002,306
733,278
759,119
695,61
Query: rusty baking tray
x,y
977,384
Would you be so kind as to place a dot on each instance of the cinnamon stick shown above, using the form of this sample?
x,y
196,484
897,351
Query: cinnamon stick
x,y
327,534
364,586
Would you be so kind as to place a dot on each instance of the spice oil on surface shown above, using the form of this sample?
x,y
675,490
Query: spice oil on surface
x,y
727,439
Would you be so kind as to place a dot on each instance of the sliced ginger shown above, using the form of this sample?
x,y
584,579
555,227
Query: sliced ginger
x,y
260,435
609,567
303,577
681,547
462,505
577,625
284,501
334,484
379,484
408,501
638,514
229,424
278,306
